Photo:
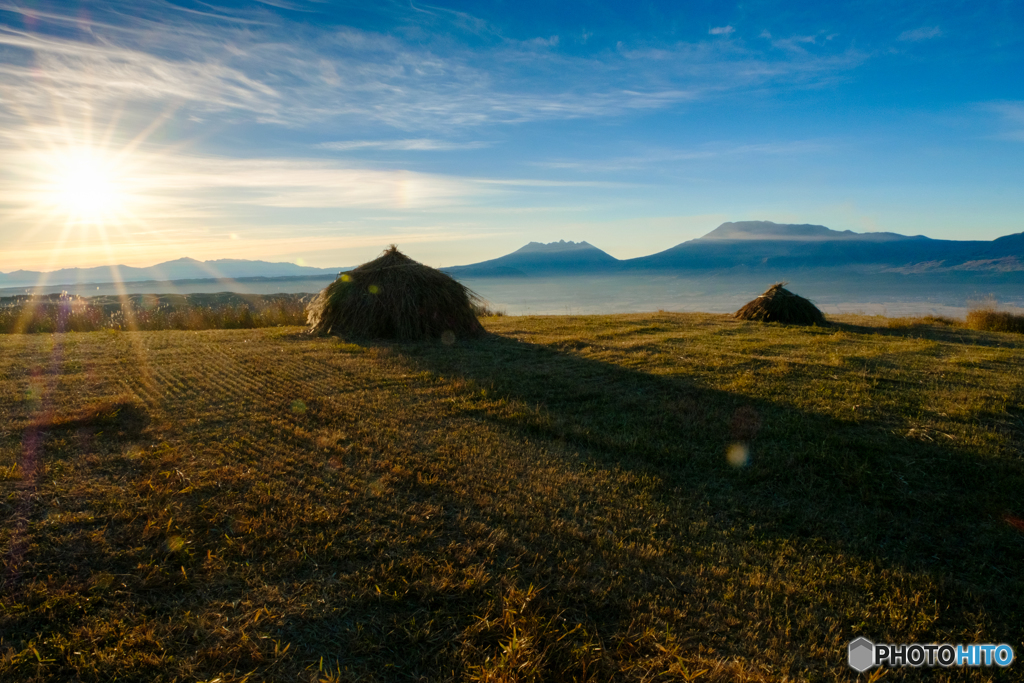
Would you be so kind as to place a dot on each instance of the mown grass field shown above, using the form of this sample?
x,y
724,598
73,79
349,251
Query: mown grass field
x,y
551,503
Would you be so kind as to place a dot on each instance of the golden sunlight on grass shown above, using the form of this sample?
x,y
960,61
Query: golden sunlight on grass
x,y
552,502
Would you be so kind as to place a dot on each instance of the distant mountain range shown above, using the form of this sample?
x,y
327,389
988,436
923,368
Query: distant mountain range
x,y
768,246
747,245
181,269
541,259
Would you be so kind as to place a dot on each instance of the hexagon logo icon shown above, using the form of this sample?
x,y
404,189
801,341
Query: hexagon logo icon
x,y
861,654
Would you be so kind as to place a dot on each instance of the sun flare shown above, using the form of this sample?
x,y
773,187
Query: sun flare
x,y
86,185
89,192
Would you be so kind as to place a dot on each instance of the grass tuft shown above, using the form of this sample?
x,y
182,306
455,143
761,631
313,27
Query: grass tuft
x,y
922,321
995,321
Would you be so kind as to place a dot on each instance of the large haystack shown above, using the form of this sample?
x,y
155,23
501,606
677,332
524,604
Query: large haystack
x,y
394,297
779,305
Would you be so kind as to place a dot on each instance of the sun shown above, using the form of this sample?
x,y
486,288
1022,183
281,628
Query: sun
x,y
85,185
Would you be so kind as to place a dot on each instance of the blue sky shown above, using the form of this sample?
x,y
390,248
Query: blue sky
x,y
320,132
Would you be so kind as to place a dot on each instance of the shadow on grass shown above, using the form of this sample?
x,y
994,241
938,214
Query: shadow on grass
x,y
879,490
816,490
397,565
124,419
952,334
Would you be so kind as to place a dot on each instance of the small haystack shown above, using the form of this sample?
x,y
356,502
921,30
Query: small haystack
x,y
394,297
779,305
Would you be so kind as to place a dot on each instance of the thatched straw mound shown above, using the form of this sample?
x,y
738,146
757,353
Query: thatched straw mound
x,y
779,305
394,297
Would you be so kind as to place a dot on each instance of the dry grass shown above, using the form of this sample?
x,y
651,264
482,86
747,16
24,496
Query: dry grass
x,y
552,502
394,297
995,321
923,321
149,312
482,309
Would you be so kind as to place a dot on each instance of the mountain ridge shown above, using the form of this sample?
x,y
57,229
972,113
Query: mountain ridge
x,y
767,245
763,244
537,258
767,230
740,244
184,268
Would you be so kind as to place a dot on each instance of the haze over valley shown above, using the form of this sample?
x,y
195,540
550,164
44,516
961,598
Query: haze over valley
x,y
842,271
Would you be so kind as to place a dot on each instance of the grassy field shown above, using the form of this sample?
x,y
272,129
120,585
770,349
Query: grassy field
x,y
566,499
150,312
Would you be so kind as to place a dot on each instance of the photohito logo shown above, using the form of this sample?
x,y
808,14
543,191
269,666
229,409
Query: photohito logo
x,y
863,654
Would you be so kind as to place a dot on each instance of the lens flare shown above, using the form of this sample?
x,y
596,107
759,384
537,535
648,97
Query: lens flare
x,y
738,455
85,185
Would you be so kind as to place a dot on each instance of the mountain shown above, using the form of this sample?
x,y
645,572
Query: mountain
x,y
554,258
763,244
768,231
766,245
180,269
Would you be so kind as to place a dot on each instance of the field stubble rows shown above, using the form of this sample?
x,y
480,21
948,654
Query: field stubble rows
x,y
553,502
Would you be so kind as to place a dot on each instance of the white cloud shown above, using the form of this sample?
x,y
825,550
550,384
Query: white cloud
x,y
281,4
76,75
417,144
721,31
301,183
359,76
923,33
176,185
795,44
344,89
541,42
673,157
266,74
531,182
1012,114
346,245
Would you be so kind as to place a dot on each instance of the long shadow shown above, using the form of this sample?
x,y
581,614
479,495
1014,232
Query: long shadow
x,y
940,333
829,486
122,419
816,485
864,487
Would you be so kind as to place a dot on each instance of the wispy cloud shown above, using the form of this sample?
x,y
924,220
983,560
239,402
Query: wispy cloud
x,y
416,144
343,246
184,180
264,74
72,75
281,4
170,203
542,183
241,85
358,76
799,44
551,41
673,157
1012,114
919,34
